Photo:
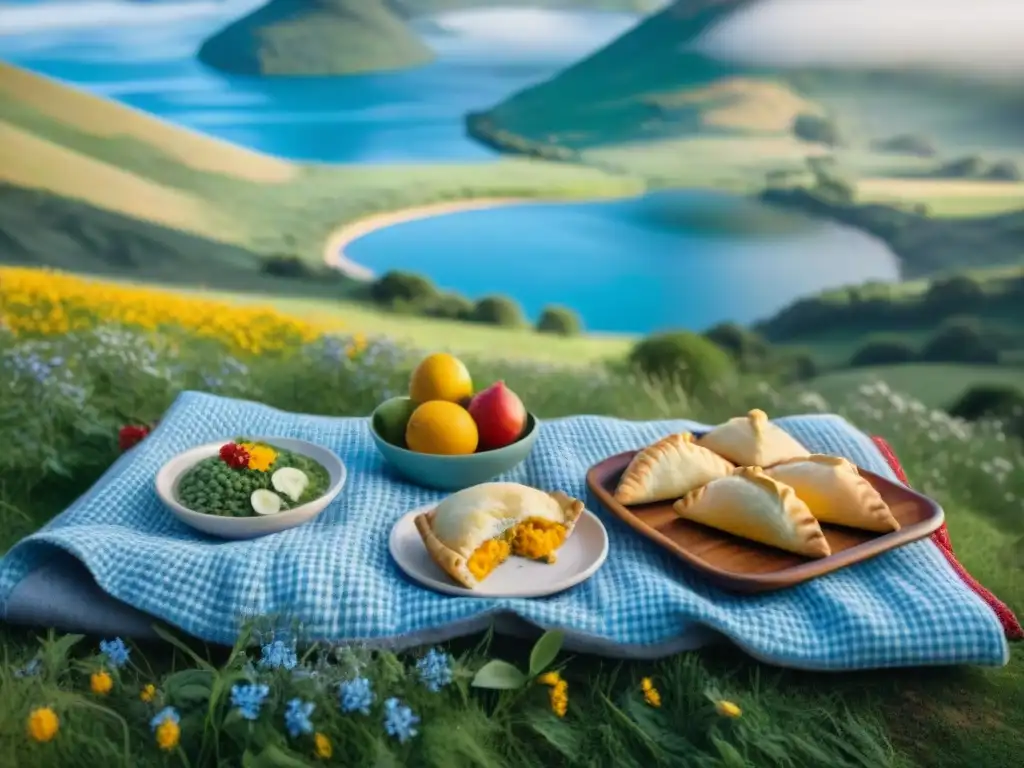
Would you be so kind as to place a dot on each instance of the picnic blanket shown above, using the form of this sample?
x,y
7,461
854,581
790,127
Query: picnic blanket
x,y
907,607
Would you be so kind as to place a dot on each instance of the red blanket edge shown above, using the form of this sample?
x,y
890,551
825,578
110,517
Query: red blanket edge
x,y
1010,623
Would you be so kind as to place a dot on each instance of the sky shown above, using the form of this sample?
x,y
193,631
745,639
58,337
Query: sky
x,y
983,37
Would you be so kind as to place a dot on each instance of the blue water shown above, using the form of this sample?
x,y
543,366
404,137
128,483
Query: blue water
x,y
623,266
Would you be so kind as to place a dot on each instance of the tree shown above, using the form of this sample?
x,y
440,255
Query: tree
x,y
559,320
693,361
817,129
402,288
497,310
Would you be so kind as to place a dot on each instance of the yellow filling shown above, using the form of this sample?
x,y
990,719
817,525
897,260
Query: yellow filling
x,y
533,539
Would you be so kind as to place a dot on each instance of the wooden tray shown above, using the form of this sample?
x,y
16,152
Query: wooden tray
x,y
741,565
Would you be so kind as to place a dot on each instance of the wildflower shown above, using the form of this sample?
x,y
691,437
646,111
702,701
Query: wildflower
x,y
248,699
278,655
435,670
296,717
148,693
356,695
727,709
115,651
29,670
651,694
322,746
399,720
559,698
166,725
131,435
261,457
42,724
101,682
234,455
549,678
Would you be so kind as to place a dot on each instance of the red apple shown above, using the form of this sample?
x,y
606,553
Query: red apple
x,y
499,415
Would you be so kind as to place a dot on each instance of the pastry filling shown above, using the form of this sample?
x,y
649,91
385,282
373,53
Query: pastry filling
x,y
533,539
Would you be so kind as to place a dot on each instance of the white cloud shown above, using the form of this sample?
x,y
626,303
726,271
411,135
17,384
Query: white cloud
x,y
972,36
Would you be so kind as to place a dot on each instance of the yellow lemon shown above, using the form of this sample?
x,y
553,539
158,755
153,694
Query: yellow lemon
x,y
440,377
440,427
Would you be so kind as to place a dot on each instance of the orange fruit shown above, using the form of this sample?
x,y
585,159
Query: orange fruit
x,y
443,428
440,377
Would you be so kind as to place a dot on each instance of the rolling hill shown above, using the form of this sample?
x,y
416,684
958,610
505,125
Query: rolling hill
x,y
315,37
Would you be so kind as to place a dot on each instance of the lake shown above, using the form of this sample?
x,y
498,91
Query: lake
x,y
680,259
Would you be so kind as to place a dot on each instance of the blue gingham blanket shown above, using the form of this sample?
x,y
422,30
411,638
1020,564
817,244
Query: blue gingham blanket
x,y
335,576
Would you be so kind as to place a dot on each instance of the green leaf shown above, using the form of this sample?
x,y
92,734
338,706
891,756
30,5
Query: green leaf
x,y
276,757
166,636
545,651
498,676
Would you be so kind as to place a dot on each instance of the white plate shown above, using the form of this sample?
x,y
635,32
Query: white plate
x,y
578,560
248,527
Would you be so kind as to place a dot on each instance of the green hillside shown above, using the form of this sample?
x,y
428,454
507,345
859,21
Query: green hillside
x,y
315,37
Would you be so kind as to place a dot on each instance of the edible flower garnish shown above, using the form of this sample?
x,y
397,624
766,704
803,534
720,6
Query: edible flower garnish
x,y
261,457
234,455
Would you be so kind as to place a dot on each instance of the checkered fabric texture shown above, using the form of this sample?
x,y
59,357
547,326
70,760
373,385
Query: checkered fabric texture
x,y
335,576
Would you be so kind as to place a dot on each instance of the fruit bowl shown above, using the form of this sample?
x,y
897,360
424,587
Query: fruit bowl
x,y
450,473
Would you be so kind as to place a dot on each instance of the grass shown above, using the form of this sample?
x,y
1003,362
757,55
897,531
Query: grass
x,y
60,432
935,384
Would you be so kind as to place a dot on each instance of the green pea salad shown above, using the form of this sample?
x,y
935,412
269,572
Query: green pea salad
x,y
249,478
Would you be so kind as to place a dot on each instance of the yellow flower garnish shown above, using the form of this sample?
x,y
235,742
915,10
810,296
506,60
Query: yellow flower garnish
x,y
651,695
168,733
261,457
42,724
148,693
549,678
101,682
727,709
559,696
322,746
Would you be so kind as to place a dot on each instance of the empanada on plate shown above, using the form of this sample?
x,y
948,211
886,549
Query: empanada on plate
x,y
475,530
669,469
836,493
752,441
751,505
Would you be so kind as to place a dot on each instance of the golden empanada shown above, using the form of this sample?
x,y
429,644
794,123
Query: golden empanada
x,y
752,441
836,493
669,469
475,530
750,504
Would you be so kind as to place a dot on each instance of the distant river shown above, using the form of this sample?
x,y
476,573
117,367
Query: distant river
x,y
667,260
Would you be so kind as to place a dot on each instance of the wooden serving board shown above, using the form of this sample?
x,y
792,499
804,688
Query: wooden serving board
x,y
741,565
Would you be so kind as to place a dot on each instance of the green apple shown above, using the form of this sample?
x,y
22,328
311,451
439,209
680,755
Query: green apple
x,y
390,418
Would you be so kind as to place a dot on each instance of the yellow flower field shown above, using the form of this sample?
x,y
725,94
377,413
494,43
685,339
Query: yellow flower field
x,y
41,302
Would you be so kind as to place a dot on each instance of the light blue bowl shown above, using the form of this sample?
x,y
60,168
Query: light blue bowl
x,y
453,473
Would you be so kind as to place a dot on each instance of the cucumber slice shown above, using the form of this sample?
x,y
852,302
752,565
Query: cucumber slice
x,y
290,481
265,502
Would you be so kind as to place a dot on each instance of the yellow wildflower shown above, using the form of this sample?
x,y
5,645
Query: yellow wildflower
x,y
168,733
322,746
727,709
549,678
148,693
651,694
101,682
559,696
42,724
261,457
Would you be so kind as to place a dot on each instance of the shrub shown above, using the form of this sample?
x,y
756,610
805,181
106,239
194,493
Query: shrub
x,y
907,144
970,167
286,266
988,401
883,352
817,129
450,306
954,294
497,310
402,288
960,340
741,343
1004,170
685,357
559,320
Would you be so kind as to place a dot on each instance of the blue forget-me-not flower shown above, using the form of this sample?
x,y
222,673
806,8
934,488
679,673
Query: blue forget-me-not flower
x,y
296,717
399,721
116,651
356,695
435,669
249,698
278,655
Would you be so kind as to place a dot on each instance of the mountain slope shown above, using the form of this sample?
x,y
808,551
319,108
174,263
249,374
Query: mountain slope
x,y
316,37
